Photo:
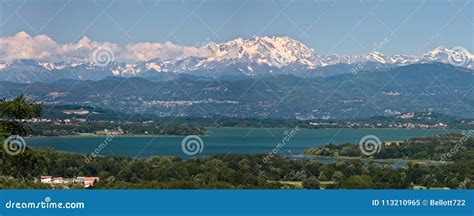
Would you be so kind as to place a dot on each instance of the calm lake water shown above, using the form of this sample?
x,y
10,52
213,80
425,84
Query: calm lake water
x,y
225,140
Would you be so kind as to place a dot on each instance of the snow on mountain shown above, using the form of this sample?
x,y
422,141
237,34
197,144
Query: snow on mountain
x,y
153,66
376,57
457,56
3,65
256,55
51,66
126,70
402,59
271,51
438,54
275,52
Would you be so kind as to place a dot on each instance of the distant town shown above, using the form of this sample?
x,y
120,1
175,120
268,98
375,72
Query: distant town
x,y
89,122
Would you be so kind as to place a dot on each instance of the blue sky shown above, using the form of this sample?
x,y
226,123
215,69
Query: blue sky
x,y
341,27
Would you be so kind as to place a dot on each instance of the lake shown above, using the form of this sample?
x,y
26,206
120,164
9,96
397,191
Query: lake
x,y
224,140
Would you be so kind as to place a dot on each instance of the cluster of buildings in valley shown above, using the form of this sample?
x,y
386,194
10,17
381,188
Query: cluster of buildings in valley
x,y
439,125
400,120
76,112
60,181
67,121
76,119
171,104
406,120
380,125
57,121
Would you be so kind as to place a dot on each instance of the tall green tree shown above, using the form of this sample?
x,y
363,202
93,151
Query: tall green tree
x,y
13,114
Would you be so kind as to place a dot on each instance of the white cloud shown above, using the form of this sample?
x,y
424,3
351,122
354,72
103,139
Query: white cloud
x,y
43,48
83,49
163,51
23,46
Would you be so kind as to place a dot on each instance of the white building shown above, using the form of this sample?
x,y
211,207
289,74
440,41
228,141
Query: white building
x,y
58,180
46,179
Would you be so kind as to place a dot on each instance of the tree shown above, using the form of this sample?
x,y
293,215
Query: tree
x,y
357,182
323,177
336,176
13,113
311,183
465,184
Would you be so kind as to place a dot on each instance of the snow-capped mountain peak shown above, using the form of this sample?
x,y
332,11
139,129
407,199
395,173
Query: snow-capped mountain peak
x,y
250,57
438,52
377,57
457,56
271,51
126,70
51,66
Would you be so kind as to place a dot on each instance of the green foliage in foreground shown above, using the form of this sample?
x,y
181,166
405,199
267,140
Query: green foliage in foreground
x,y
311,183
227,172
452,147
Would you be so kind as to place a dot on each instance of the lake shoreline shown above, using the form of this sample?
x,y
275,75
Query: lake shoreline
x,y
222,140
237,128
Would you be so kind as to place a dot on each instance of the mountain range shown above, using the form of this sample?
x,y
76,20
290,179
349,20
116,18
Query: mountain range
x,y
436,87
238,58
264,77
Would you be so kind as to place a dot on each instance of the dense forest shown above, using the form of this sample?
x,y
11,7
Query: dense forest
x,y
451,147
228,171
